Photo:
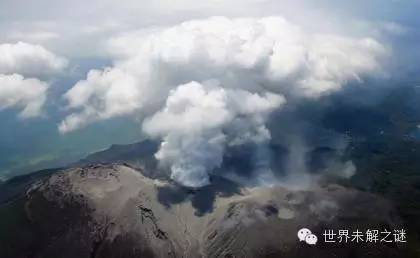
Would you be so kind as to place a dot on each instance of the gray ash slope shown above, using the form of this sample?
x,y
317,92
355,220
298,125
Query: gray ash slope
x,y
116,211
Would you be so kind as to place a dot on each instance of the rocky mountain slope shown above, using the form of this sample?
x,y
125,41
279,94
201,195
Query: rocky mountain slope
x,y
116,211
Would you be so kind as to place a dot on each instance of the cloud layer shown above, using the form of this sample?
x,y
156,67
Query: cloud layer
x,y
256,54
29,60
19,60
26,94
198,80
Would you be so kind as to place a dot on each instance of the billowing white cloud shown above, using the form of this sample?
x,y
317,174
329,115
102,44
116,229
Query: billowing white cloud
x,y
198,121
29,60
249,53
104,94
20,60
255,62
27,94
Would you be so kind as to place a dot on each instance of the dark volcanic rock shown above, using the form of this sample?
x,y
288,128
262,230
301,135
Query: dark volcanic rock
x,y
115,211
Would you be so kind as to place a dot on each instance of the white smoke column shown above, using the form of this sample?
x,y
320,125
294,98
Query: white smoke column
x,y
297,171
195,123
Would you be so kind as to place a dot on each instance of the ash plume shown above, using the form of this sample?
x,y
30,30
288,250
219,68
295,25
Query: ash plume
x,y
205,86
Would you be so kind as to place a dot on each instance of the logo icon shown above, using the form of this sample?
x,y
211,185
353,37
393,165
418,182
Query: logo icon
x,y
306,235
